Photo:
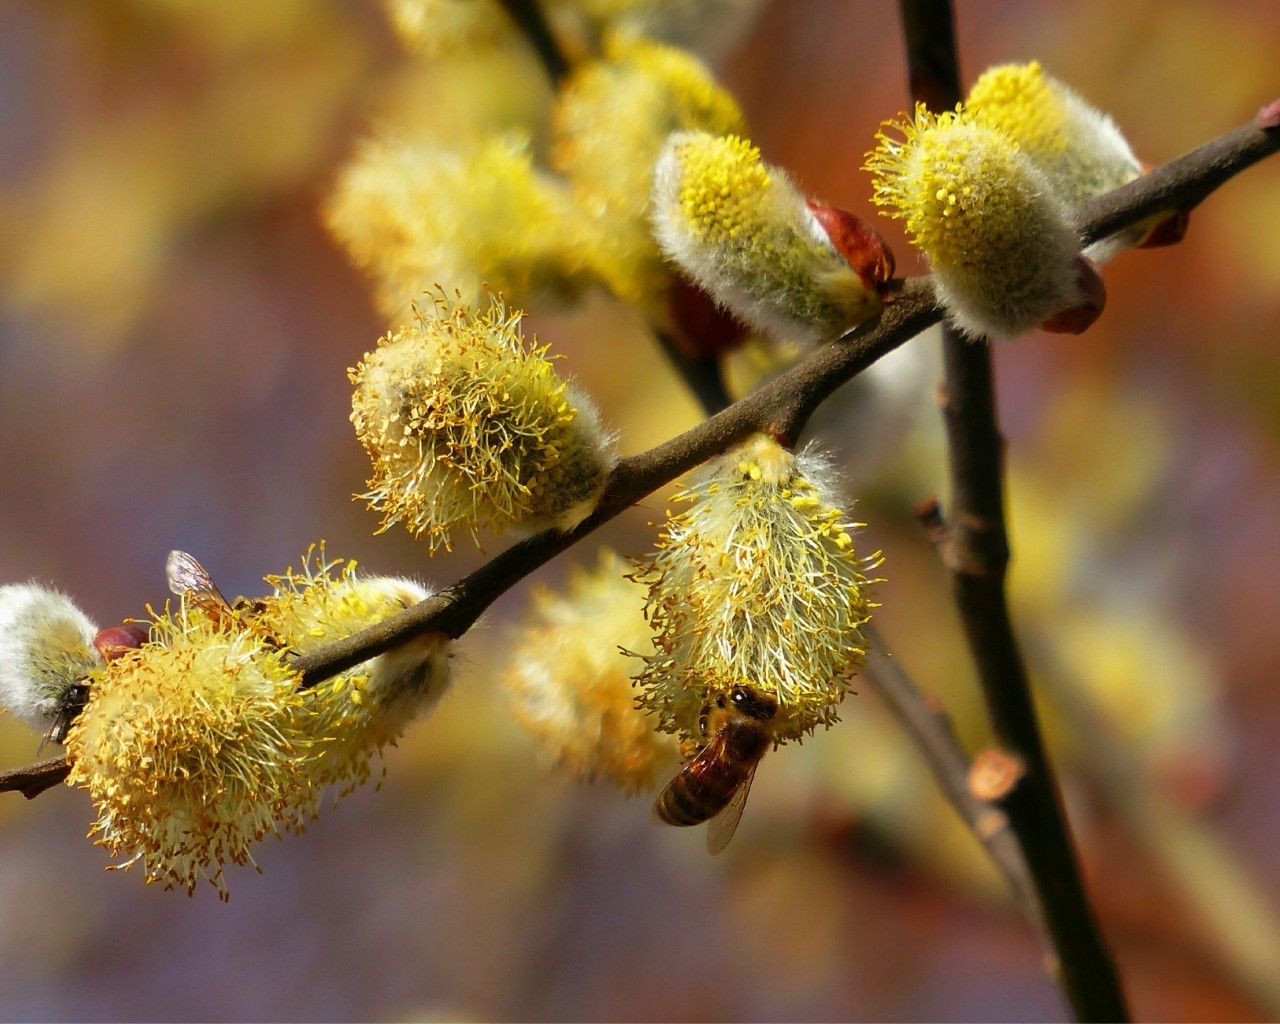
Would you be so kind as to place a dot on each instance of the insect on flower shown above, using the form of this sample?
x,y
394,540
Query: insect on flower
x,y
714,785
48,650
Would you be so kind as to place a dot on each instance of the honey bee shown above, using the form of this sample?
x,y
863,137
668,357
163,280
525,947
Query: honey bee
x,y
714,785
70,702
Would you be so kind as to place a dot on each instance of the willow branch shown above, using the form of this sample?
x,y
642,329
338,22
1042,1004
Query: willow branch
x,y
929,727
703,375
34,779
783,405
780,408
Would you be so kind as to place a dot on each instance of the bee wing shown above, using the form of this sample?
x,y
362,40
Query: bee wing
x,y
188,578
721,828
670,808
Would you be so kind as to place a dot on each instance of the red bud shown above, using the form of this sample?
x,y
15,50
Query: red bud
x,y
702,329
1169,231
1093,299
858,242
115,640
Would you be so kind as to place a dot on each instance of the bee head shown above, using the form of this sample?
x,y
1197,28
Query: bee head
x,y
751,703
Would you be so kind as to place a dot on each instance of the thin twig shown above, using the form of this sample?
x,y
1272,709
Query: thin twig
x,y
975,549
529,17
35,779
929,727
703,375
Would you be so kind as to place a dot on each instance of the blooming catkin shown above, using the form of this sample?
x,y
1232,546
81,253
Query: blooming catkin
x,y
569,684
999,240
756,583
469,427
187,750
740,228
201,742
349,718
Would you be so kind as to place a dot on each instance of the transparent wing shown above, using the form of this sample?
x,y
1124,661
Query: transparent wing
x,y
188,578
721,828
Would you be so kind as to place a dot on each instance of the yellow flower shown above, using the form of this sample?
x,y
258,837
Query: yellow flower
x,y
1079,149
998,238
757,583
468,427
741,230
200,743
187,751
438,27
348,719
416,215
610,120
570,685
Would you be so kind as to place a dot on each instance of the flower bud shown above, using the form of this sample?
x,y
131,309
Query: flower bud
x,y
998,238
569,685
46,649
469,427
756,584
1078,148
739,227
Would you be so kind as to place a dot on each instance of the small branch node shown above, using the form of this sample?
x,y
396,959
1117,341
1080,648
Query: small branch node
x,y
994,774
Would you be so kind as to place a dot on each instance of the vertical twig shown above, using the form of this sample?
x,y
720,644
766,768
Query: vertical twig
x,y
929,728
976,551
529,17
703,375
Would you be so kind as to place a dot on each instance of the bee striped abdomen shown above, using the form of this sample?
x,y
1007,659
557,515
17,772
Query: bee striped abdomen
x,y
704,787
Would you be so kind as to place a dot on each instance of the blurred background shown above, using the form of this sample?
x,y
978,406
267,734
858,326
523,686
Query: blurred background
x,y
175,329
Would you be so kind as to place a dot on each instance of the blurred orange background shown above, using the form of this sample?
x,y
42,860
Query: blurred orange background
x,y
175,327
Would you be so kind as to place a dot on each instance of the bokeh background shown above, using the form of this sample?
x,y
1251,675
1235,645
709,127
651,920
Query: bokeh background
x,y
175,327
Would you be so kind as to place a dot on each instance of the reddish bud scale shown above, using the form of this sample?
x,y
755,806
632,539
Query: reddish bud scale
x,y
858,242
1169,231
116,640
1093,296
701,328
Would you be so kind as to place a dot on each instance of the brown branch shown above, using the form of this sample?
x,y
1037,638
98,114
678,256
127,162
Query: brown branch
x,y
530,19
975,550
703,375
34,779
929,727
784,405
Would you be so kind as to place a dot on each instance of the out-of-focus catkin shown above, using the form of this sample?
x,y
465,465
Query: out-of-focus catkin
x,y
569,684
